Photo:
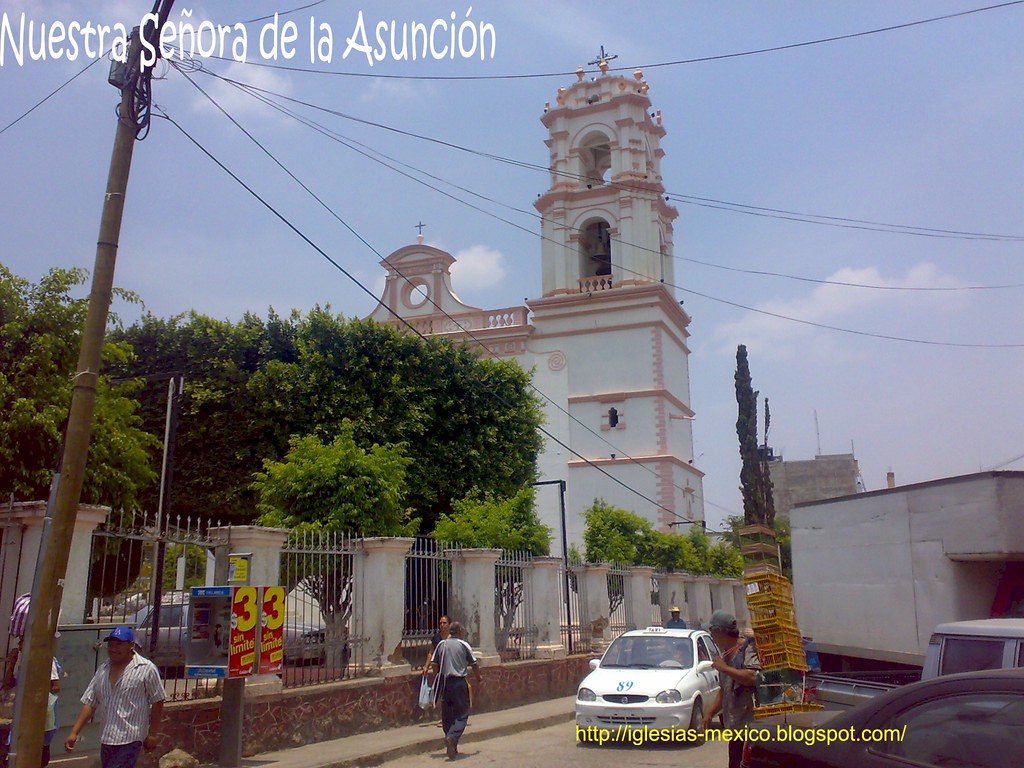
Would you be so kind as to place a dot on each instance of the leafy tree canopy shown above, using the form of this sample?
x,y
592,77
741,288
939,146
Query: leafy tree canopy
x,y
40,335
338,486
615,535
466,423
482,520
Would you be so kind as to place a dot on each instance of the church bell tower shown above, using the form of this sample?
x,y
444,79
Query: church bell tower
x,y
609,308
605,218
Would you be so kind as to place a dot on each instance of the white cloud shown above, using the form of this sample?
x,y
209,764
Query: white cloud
x,y
478,267
843,306
237,102
396,91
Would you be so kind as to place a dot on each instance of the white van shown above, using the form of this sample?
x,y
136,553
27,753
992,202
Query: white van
x,y
966,646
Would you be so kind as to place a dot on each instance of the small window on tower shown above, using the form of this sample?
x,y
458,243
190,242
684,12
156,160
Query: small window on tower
x,y
612,419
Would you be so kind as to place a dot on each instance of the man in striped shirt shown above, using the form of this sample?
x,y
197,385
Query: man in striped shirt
x,y
128,695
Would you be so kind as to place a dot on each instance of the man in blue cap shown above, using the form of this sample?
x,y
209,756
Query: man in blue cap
x,y
128,695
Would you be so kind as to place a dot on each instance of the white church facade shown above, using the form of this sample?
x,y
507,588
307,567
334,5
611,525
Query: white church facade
x,y
607,338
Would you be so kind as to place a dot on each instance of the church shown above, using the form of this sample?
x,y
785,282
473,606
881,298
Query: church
x,y
607,337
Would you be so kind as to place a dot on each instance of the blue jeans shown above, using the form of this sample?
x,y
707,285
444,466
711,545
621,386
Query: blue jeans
x,y
120,755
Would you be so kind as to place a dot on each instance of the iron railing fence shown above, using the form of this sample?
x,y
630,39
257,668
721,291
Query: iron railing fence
x,y
428,575
620,604
655,612
515,632
577,636
323,608
140,575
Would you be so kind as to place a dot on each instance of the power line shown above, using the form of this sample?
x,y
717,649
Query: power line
x,y
809,218
430,299
51,94
678,62
398,317
887,337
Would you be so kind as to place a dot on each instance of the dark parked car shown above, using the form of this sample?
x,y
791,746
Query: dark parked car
x,y
971,720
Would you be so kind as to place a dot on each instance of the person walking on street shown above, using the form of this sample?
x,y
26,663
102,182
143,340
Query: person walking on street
x,y
737,667
452,659
128,695
442,634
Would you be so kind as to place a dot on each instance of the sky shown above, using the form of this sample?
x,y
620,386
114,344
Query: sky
x,y
891,160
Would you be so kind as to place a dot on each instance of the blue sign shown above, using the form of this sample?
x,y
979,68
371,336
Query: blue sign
x,y
211,591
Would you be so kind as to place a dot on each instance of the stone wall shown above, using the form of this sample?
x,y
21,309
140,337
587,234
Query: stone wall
x,y
305,716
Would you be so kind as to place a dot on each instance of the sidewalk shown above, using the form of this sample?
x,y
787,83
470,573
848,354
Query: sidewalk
x,y
366,749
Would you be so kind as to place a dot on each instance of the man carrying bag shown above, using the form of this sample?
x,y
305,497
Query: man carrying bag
x,y
452,659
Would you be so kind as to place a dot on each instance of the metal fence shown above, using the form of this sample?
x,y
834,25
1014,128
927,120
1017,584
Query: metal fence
x,y
323,608
515,633
428,575
140,576
655,612
620,604
577,636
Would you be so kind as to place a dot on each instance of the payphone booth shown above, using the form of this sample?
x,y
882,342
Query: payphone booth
x,y
235,632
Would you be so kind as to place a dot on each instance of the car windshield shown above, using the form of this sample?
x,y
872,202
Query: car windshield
x,y
647,652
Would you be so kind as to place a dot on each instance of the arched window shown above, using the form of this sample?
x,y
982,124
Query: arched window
x,y
596,159
595,249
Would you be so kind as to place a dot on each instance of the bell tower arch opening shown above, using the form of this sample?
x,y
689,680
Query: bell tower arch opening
x,y
595,248
595,153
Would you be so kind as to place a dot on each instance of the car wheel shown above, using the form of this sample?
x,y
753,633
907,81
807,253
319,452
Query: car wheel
x,y
697,722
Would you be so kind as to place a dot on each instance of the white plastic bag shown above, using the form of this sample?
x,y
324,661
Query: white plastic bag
x,y
426,694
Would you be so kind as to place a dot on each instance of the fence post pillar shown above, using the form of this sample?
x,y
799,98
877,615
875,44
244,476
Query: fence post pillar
x,y
472,599
380,583
723,596
264,544
640,594
29,515
739,601
596,610
545,591
703,605
672,592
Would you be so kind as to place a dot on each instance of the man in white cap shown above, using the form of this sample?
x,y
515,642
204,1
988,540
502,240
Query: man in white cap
x,y
128,695
737,669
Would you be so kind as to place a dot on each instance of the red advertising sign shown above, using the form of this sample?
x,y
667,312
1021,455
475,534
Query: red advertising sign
x,y
272,631
245,611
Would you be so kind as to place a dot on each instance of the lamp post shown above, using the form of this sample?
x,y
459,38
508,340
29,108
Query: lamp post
x,y
565,555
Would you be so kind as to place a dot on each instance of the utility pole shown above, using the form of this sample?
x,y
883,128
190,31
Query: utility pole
x,y
34,680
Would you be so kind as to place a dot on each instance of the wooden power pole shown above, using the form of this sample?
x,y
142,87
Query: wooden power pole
x,y
48,587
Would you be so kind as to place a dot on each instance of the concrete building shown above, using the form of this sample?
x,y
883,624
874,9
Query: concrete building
x,y
607,337
823,477
874,573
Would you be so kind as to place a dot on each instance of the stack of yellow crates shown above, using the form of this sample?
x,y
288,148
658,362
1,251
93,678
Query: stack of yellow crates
x,y
781,684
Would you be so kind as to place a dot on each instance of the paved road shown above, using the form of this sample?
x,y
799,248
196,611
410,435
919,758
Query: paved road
x,y
555,747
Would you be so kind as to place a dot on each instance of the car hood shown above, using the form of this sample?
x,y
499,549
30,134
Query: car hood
x,y
649,682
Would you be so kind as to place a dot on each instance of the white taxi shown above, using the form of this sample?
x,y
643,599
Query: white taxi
x,y
650,679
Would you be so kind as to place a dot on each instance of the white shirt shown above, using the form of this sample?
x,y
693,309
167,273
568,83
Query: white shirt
x,y
124,709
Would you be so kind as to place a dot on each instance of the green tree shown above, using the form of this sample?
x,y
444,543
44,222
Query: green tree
x,y
467,423
482,520
40,336
337,487
615,535
755,482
